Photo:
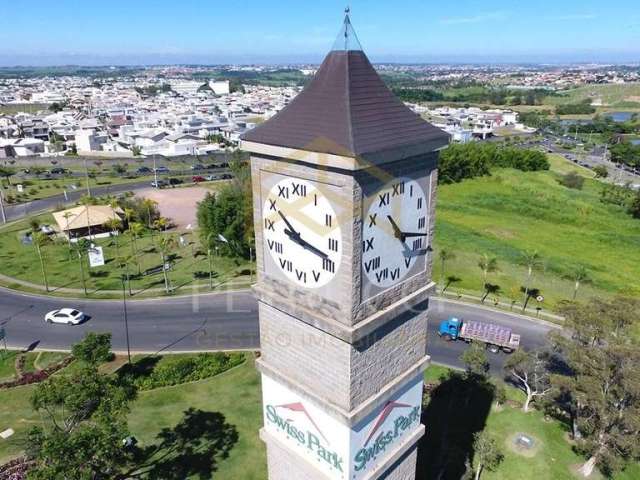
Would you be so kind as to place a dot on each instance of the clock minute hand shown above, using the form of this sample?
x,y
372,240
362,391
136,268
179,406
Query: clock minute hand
x,y
289,226
396,230
295,236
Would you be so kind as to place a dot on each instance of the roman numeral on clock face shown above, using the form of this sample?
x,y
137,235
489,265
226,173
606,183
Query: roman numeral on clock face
x,y
328,219
382,274
333,244
286,264
316,275
420,200
283,191
275,246
372,264
301,276
384,199
395,273
272,204
422,221
397,189
299,189
268,224
372,219
328,265
417,244
367,244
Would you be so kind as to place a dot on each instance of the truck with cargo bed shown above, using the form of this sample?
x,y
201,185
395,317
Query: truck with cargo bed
x,y
495,337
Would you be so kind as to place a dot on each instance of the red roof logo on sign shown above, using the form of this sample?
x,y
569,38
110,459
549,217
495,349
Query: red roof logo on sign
x,y
299,407
386,411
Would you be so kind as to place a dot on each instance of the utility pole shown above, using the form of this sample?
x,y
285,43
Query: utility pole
x,y
155,171
4,215
86,176
126,319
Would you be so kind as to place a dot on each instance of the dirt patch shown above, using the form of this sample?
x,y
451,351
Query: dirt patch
x,y
501,233
520,450
178,204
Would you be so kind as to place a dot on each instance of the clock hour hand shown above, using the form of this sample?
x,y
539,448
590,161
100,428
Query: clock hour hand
x,y
414,234
295,236
396,230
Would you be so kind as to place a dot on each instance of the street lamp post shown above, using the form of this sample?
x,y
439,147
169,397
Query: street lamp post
x,y
126,319
4,215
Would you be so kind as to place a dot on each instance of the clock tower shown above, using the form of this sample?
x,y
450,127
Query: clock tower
x,y
344,185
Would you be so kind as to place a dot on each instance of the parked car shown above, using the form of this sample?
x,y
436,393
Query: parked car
x,y
198,166
159,184
174,181
68,316
46,229
197,179
211,178
144,170
58,171
162,170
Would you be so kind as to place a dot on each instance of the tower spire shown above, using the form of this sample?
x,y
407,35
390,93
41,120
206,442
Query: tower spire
x,y
347,38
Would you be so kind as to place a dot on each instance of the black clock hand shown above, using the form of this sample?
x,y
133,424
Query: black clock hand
x,y
291,229
396,230
414,234
295,237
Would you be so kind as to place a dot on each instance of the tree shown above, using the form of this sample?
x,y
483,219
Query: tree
x,y
601,171
166,245
94,349
486,453
530,373
634,207
487,265
475,359
135,230
82,246
572,180
84,422
580,275
7,172
603,385
136,150
40,240
114,225
444,255
451,279
532,261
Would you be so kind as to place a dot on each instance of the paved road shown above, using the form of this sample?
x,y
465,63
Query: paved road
x,y
208,322
15,212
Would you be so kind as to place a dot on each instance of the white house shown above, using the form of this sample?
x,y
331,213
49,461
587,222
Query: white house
x,y
220,87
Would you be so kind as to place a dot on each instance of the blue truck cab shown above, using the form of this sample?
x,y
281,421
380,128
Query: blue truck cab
x,y
450,328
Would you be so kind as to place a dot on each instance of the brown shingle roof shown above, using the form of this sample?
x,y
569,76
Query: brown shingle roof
x,y
348,110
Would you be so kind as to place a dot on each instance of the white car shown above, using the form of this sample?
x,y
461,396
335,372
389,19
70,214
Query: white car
x,y
70,316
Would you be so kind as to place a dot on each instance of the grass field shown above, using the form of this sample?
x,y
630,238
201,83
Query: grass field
x,y
512,212
624,96
233,398
189,265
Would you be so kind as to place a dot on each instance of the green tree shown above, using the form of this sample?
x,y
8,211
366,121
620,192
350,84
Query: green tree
x,y
135,230
572,180
487,265
532,262
530,372
634,207
39,241
601,171
82,247
444,256
7,172
580,276
475,360
94,349
603,385
167,244
486,453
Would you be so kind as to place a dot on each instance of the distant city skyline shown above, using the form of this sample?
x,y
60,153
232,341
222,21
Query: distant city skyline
x,y
199,32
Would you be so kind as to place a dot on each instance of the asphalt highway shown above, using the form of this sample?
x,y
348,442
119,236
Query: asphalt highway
x,y
220,321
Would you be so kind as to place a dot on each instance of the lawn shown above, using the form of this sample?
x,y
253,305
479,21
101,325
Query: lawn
x,y
612,95
512,212
189,264
37,188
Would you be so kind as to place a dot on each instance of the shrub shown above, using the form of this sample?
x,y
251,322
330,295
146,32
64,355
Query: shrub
x,y
601,171
634,208
572,180
182,370
95,348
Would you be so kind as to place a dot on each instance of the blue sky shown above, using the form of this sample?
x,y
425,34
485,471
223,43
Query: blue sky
x,y
214,31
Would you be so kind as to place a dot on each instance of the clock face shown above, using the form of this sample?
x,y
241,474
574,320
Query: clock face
x,y
394,233
301,232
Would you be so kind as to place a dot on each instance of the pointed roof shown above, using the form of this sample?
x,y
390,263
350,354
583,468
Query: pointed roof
x,y
347,110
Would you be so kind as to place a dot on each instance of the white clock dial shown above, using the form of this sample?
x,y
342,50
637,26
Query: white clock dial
x,y
301,232
394,233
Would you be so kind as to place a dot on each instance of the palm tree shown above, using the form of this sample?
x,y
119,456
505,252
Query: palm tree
x,y
581,275
7,172
67,216
444,255
532,261
488,265
114,225
135,229
82,246
167,243
451,279
39,240
161,224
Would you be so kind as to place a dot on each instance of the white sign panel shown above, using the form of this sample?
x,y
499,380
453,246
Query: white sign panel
x,y
334,448
96,257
